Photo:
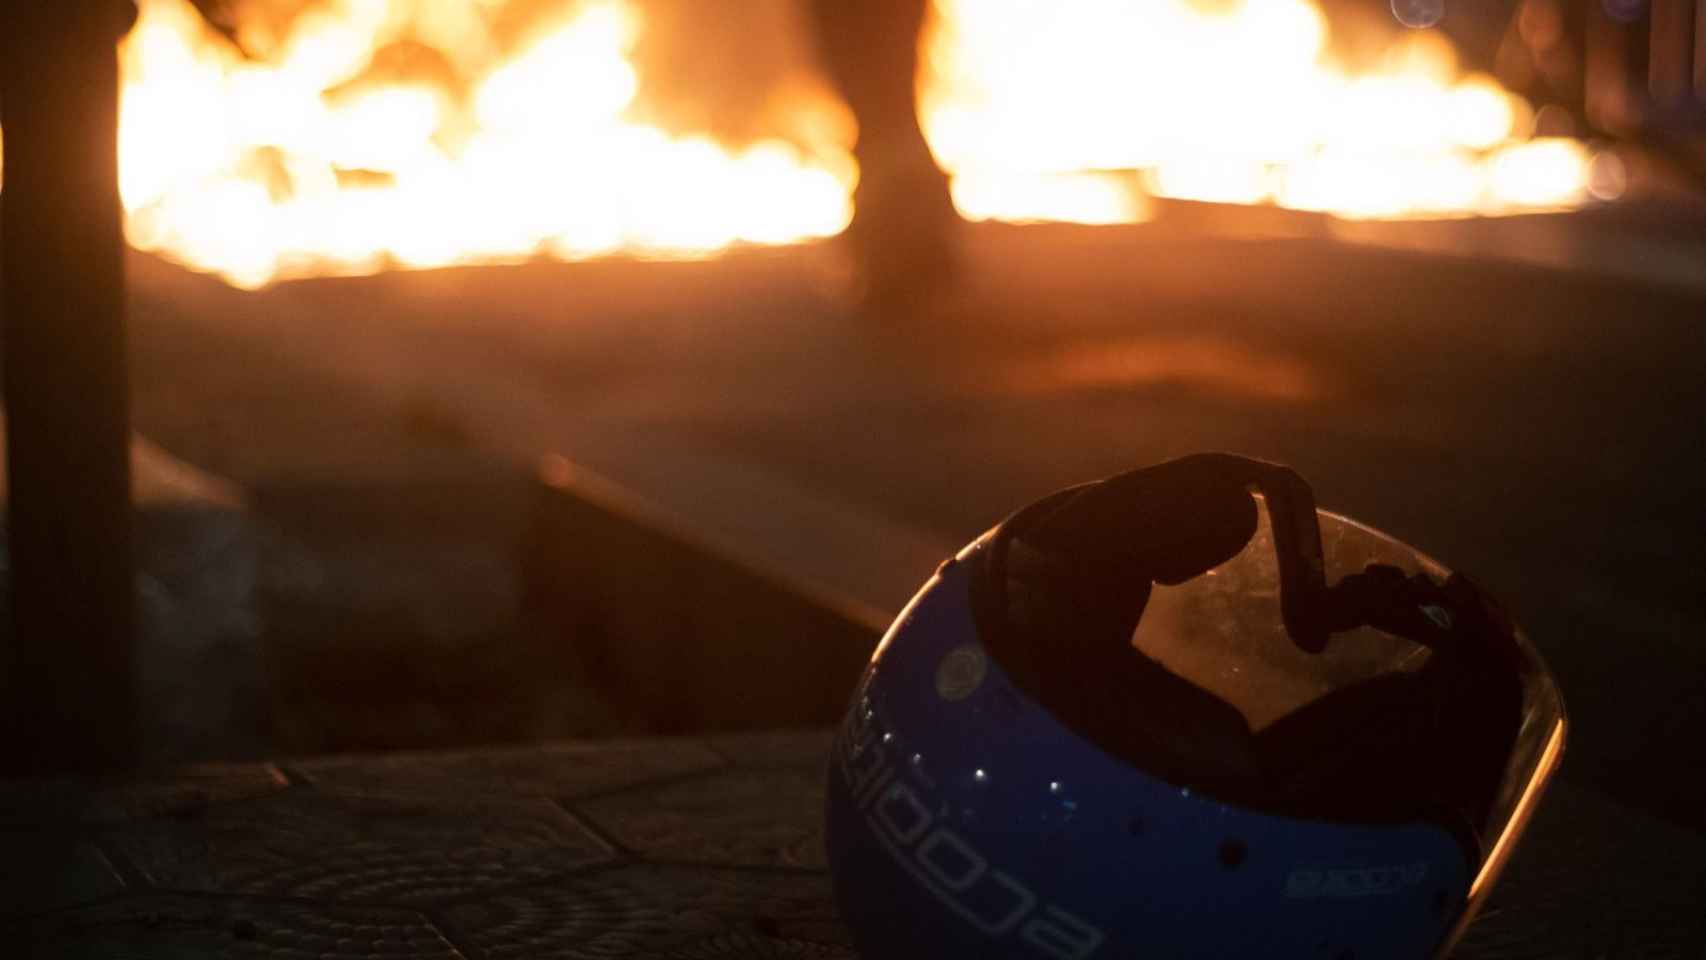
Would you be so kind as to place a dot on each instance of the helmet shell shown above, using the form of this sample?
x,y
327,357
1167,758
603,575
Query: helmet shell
x,y
963,819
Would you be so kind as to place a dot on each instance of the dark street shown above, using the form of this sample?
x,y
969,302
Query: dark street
x,y
1529,425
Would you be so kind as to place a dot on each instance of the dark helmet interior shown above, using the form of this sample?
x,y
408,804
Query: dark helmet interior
x,y
1064,584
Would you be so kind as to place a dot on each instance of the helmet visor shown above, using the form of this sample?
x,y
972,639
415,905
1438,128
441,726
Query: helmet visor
x,y
1459,723
1478,732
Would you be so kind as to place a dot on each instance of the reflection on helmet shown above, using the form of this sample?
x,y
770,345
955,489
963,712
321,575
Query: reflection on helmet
x,y
1136,719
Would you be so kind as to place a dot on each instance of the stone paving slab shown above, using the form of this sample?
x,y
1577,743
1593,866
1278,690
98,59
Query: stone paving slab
x,y
184,792
804,748
563,770
190,928
646,911
362,847
44,871
668,848
748,818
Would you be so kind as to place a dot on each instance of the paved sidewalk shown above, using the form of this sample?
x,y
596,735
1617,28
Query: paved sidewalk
x,y
655,848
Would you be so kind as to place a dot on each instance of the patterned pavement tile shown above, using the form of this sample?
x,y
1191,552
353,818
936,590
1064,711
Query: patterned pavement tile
x,y
659,912
186,792
731,855
562,770
738,817
187,928
360,848
47,870
776,748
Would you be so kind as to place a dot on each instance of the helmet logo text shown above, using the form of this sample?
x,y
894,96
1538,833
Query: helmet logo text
x,y
944,863
1317,883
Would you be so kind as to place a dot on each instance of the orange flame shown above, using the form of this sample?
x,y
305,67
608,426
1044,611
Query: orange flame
x,y
295,165
1082,111
317,160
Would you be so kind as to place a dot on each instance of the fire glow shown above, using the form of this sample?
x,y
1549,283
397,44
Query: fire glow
x,y
312,160
1084,110
293,165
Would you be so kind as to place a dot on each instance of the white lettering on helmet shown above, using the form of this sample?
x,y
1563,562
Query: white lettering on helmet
x,y
944,863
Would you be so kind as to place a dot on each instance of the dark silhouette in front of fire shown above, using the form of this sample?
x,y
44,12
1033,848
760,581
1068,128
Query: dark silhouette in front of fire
x,y
903,223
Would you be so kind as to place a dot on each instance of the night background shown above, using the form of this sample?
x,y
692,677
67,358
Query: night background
x,y
575,391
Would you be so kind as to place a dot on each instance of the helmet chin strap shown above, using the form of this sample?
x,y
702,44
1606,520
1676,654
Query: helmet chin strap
x,y
1412,606
1306,604
1177,520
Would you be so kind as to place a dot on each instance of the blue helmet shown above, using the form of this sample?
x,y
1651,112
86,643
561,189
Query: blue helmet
x,y
1136,719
